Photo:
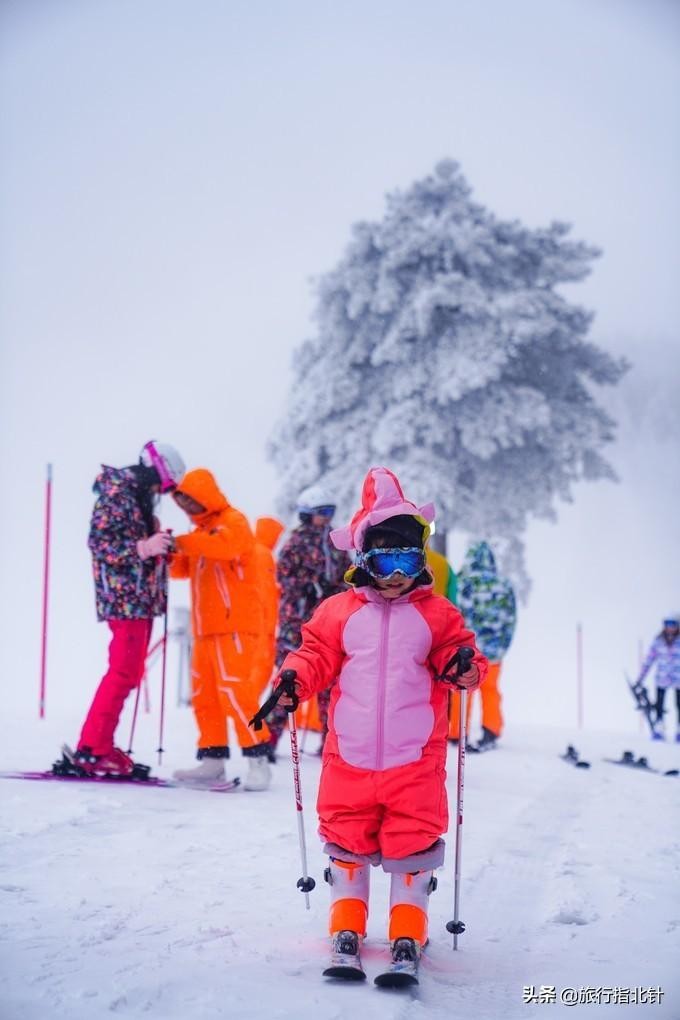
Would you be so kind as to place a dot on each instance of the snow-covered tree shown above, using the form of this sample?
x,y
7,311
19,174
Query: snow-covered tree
x,y
445,352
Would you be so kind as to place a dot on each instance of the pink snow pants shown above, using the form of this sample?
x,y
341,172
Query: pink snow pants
x,y
127,654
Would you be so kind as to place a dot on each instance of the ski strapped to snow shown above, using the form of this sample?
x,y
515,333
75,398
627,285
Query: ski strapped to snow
x,y
572,756
345,962
629,760
403,969
151,781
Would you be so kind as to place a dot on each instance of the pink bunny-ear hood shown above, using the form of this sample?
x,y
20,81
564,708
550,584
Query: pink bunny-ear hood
x,y
382,497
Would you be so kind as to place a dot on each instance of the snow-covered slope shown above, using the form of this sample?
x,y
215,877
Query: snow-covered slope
x,y
164,904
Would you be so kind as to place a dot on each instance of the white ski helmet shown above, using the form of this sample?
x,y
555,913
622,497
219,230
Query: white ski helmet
x,y
314,497
167,462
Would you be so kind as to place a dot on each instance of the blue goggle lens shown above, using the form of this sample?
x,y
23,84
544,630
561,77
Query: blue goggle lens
x,y
384,563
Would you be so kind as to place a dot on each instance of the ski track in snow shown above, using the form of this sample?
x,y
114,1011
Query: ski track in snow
x,y
167,904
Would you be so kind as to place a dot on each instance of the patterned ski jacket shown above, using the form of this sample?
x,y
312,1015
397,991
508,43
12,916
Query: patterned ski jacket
x,y
380,658
126,587
487,602
309,570
667,659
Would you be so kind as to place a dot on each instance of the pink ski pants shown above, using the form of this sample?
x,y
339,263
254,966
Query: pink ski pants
x,y
127,655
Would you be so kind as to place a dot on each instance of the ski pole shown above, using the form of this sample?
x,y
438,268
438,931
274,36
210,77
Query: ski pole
x,y
287,686
305,729
306,883
162,717
456,927
164,656
144,682
46,579
147,699
134,715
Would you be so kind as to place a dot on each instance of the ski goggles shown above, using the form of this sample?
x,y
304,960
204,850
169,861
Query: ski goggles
x,y
321,511
384,563
671,623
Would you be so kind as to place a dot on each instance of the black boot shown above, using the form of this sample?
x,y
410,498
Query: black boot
x,y
488,739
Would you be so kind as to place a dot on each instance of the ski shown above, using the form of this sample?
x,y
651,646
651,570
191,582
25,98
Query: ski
x,y
346,971
571,755
345,960
153,781
629,760
397,976
403,970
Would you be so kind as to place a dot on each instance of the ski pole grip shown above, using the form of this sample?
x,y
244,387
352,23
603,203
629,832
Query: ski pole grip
x,y
465,657
287,686
457,665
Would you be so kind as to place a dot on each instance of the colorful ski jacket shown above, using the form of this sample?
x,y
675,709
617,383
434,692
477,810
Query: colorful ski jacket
x,y
487,602
380,658
218,558
309,569
126,587
667,659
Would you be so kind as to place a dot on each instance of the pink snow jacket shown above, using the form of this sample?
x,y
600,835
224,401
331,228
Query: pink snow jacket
x,y
380,658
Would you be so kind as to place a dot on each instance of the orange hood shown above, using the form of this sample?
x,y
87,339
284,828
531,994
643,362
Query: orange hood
x,y
200,484
268,531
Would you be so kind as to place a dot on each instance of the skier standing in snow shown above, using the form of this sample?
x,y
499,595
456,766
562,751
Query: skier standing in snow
x,y
665,652
130,578
309,570
487,603
382,648
226,617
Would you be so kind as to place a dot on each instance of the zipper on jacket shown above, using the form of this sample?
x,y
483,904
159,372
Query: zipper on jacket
x,y
223,588
197,600
382,685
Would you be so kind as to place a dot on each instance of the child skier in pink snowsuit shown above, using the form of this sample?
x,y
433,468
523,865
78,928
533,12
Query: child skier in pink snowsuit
x,y
382,646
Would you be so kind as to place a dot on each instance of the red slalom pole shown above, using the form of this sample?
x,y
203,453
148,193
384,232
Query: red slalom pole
x,y
579,676
46,584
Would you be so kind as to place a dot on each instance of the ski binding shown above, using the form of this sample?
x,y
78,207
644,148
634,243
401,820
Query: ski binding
x,y
345,961
403,970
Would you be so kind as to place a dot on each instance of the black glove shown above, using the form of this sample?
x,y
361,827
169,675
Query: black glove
x,y
286,685
457,665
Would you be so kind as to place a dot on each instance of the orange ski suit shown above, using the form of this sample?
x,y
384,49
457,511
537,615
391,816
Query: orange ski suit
x,y
267,533
226,614
491,705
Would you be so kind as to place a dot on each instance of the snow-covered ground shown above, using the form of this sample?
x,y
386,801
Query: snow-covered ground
x,y
164,904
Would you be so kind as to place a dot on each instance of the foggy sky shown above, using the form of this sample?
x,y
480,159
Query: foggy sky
x,y
174,174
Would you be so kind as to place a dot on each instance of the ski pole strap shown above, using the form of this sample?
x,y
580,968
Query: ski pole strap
x,y
462,659
286,686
